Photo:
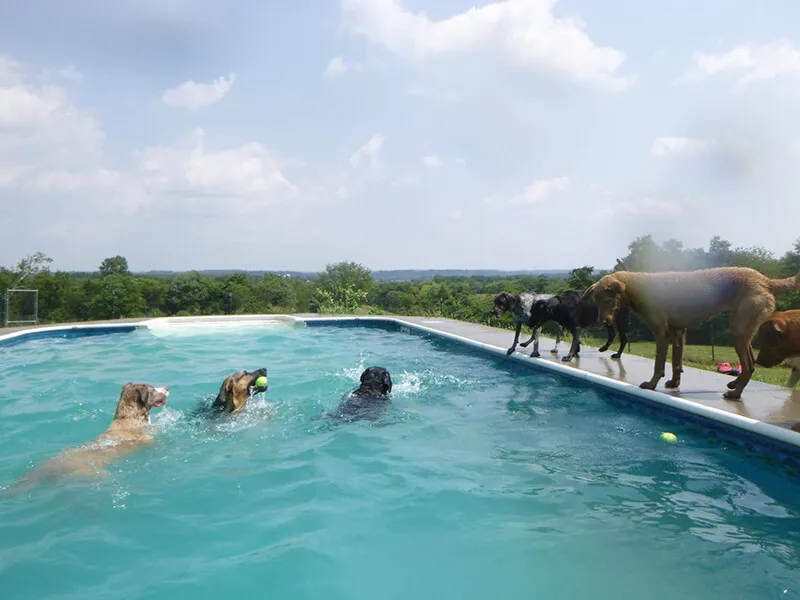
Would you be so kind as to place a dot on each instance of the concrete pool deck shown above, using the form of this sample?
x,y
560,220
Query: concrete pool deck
x,y
762,403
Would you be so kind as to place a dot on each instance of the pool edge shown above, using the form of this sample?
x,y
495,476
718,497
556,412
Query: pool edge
x,y
760,429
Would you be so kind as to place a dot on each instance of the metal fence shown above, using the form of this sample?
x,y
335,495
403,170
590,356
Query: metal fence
x,y
20,307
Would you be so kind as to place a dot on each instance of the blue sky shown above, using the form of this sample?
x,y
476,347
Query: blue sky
x,y
519,134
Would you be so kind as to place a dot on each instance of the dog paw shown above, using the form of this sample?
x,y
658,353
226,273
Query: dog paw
x,y
535,355
566,358
553,351
523,344
603,349
616,356
672,384
510,351
731,384
732,395
647,385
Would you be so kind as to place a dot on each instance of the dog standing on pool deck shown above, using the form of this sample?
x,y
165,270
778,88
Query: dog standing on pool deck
x,y
671,302
779,341
519,305
369,400
129,429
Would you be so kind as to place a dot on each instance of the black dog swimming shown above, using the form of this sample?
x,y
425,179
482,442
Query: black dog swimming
x,y
369,401
572,313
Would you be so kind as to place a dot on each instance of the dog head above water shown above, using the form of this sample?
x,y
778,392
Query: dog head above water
x,y
237,389
137,399
503,303
375,381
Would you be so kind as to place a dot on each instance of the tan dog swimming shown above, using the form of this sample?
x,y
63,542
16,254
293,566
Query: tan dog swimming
x,y
129,429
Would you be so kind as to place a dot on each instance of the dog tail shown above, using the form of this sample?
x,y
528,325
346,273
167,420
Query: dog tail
x,y
789,284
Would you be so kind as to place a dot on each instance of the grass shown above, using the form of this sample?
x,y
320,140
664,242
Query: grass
x,y
697,356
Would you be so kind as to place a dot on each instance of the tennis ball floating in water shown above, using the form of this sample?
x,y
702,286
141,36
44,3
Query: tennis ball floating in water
x,y
669,437
261,382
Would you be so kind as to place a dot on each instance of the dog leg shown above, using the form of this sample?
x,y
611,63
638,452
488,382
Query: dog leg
x,y
516,339
624,326
610,332
744,323
744,351
534,336
559,331
794,377
662,345
576,341
535,352
678,339
623,341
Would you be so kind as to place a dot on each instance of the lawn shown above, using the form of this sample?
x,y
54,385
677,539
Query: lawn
x,y
698,357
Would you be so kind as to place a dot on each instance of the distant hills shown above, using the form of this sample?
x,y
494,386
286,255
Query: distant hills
x,y
414,275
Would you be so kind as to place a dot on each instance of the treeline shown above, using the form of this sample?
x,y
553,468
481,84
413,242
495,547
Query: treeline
x,y
113,292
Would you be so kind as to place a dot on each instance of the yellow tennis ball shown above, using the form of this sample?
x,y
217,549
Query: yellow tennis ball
x,y
261,382
669,437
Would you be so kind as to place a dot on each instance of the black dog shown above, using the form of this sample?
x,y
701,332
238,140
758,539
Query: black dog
x,y
569,311
519,305
369,400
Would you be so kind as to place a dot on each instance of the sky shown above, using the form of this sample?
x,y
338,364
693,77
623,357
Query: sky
x,y
516,134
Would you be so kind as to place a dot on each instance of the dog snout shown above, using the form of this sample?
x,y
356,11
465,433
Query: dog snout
x,y
163,390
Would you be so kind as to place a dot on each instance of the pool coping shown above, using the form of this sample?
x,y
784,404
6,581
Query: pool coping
x,y
680,405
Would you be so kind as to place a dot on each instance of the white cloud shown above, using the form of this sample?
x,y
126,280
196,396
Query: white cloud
x,y
194,95
249,172
336,67
681,146
10,174
525,30
408,180
647,207
540,190
432,161
39,126
71,181
369,152
752,63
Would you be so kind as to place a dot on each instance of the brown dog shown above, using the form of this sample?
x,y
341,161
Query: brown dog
x,y
129,429
779,340
671,302
237,389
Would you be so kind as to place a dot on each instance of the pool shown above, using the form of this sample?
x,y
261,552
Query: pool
x,y
485,480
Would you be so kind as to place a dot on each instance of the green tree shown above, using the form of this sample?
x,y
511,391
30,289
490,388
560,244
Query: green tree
x,y
580,278
345,274
30,266
114,264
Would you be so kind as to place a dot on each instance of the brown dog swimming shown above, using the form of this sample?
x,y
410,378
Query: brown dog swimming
x,y
129,429
238,388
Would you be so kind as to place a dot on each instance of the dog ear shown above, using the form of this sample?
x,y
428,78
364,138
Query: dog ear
x,y
778,327
387,382
363,375
616,286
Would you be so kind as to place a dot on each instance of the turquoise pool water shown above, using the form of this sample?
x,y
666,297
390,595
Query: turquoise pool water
x,y
486,480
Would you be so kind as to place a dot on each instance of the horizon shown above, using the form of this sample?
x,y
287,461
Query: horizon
x,y
394,132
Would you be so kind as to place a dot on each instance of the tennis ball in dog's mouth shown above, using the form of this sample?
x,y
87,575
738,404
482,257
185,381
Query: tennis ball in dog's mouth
x,y
669,437
261,382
